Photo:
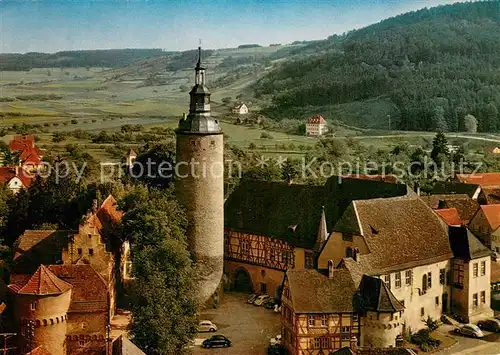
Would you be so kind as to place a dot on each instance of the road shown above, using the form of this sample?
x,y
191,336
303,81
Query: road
x,y
489,345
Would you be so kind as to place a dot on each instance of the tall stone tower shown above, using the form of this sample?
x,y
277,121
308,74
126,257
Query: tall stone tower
x,y
200,184
43,300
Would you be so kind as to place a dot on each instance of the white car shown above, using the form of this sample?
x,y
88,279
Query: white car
x,y
207,326
259,301
275,341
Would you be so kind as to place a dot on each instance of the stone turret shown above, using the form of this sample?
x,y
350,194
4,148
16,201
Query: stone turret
x,y
200,184
42,301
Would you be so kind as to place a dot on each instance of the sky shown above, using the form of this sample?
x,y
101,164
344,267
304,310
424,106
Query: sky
x,y
51,25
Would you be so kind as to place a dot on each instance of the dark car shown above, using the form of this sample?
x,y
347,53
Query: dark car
x,y
277,350
215,341
269,304
492,325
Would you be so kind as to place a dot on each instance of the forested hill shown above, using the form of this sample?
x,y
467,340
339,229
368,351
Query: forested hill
x,y
430,68
110,58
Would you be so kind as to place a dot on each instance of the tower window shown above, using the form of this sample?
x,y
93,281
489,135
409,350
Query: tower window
x,y
80,251
91,251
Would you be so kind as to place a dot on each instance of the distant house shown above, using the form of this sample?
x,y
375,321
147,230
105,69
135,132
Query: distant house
x,y
240,109
495,150
316,126
15,178
131,156
30,156
486,226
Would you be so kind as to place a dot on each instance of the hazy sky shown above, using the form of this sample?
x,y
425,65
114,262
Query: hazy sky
x,y
50,26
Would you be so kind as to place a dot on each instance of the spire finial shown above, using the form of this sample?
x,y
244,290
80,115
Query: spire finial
x,y
198,65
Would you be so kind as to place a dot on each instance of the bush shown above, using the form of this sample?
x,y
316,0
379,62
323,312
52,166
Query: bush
x,y
252,146
266,135
74,121
423,339
432,324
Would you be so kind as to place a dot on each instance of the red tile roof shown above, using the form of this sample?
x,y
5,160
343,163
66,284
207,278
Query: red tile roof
x,y
492,214
483,179
20,142
89,288
316,119
30,156
450,216
43,282
108,212
8,173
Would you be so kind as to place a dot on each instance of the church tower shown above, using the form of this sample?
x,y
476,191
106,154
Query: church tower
x,y
200,184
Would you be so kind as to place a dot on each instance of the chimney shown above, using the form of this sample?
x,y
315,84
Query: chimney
x,y
184,116
331,269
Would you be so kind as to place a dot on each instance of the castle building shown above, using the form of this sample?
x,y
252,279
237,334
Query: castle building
x,y
398,263
200,184
89,264
271,227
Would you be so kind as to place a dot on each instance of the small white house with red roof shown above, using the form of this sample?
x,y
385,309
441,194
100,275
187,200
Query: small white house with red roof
x,y
316,126
131,156
15,178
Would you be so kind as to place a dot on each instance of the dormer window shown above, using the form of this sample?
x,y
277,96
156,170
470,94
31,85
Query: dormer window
x,y
373,230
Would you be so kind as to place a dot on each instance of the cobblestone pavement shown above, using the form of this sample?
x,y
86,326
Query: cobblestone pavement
x,y
489,345
247,326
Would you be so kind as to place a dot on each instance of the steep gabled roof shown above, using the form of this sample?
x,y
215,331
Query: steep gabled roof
x,y
449,188
42,283
108,213
132,153
492,214
482,179
399,232
313,292
292,212
20,142
89,288
465,245
465,205
450,216
37,247
375,296
316,119
274,208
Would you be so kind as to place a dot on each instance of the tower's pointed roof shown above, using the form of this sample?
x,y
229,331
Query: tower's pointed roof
x,y
43,282
198,64
322,231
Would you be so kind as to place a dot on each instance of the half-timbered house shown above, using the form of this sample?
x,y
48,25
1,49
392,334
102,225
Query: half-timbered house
x,y
271,227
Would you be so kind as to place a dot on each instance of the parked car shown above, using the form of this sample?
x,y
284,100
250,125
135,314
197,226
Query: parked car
x,y
492,325
216,341
252,298
259,301
471,330
275,341
276,350
269,303
206,326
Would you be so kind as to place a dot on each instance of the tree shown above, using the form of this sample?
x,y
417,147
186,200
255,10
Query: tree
x,y
290,170
163,290
226,100
439,120
58,137
151,165
439,147
470,123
